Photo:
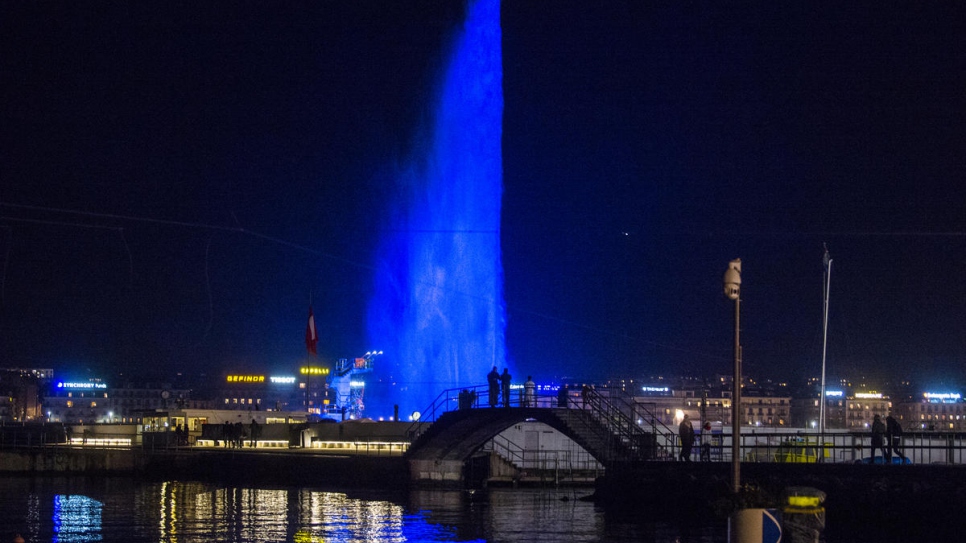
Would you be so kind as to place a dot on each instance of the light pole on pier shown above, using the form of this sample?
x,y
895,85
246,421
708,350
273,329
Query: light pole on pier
x,y
732,289
827,260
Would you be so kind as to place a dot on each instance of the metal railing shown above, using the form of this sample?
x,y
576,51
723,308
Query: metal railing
x,y
653,440
832,447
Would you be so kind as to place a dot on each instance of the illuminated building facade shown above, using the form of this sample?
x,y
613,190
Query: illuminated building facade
x,y
666,406
935,411
258,392
766,411
314,389
862,407
78,402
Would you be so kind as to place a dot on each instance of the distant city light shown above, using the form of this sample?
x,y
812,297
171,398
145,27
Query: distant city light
x,y
942,396
869,395
655,389
833,394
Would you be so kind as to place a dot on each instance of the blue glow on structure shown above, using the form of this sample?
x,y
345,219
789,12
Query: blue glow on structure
x,y
437,309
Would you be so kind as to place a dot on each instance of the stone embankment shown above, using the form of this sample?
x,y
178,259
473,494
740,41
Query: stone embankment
x,y
296,467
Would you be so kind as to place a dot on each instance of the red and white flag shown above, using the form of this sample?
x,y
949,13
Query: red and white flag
x,y
311,338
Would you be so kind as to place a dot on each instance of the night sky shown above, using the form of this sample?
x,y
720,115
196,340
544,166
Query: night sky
x,y
178,182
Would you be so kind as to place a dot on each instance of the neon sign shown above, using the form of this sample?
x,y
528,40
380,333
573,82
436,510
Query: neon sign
x,y
314,370
81,385
869,395
282,380
834,394
942,396
655,389
246,378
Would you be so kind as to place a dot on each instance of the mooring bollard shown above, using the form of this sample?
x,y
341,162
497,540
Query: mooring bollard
x,y
803,516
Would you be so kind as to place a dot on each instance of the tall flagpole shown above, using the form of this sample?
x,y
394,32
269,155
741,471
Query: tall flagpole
x,y
827,260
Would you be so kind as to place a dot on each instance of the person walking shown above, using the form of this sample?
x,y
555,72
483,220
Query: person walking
x,y
878,435
505,383
529,388
893,436
686,432
705,454
493,379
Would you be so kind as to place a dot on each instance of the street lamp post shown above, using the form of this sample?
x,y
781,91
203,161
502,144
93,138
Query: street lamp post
x,y
732,289
827,260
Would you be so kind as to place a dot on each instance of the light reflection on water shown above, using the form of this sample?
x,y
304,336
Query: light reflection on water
x,y
87,509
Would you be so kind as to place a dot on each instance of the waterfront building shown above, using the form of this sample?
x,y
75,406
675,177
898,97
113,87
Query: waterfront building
x,y
933,411
76,402
862,407
765,410
257,392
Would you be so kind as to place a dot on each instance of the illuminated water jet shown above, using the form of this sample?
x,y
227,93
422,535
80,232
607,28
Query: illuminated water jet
x,y
437,309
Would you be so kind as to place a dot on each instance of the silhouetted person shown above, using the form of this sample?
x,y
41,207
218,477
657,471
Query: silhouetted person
x,y
686,432
529,388
505,385
493,379
893,439
878,439
253,429
239,435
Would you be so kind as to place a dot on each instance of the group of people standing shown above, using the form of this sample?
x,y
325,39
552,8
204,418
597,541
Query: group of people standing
x,y
233,435
499,382
499,388
887,437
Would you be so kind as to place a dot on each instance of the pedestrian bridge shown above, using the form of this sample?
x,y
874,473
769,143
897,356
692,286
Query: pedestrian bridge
x,y
458,425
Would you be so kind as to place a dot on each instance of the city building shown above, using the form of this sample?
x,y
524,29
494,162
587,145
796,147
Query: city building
x,y
20,391
862,407
81,402
934,411
133,400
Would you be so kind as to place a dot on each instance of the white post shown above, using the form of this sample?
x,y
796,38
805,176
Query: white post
x,y
821,409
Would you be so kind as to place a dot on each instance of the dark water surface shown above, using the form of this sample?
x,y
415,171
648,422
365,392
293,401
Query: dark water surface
x,y
81,509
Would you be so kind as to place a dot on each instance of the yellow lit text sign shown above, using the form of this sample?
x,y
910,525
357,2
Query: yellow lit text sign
x,y
246,378
314,370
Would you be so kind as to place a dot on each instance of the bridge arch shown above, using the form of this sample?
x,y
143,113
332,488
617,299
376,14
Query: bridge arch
x,y
439,454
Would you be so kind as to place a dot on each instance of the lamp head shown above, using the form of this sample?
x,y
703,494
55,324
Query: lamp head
x,y
732,279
